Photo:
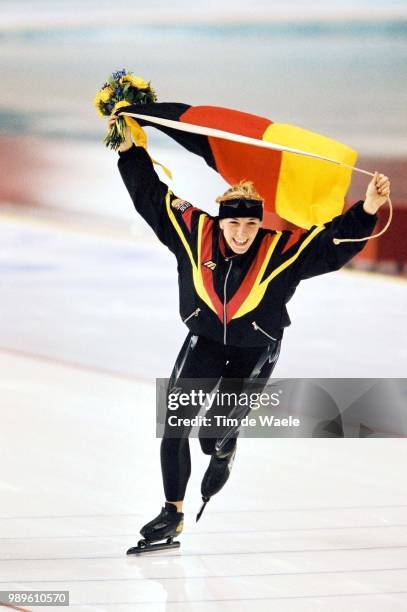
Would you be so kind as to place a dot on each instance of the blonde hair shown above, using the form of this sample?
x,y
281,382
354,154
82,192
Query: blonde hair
x,y
243,189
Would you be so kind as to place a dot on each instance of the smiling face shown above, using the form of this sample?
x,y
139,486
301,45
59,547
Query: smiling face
x,y
240,232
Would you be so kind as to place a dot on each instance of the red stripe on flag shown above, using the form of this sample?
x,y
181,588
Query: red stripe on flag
x,y
226,119
236,161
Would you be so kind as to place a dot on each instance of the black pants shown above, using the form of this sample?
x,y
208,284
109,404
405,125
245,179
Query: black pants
x,y
237,369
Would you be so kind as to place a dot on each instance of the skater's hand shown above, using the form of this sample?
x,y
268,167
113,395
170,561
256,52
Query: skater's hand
x,y
377,193
127,143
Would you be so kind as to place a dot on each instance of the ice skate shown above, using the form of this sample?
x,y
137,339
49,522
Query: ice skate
x,y
216,475
167,525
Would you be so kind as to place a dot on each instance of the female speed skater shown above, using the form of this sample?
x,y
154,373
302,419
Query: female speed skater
x,y
235,279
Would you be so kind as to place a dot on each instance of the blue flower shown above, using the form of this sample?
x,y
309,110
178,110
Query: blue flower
x,y
118,73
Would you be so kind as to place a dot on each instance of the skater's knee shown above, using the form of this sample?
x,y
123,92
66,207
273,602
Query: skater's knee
x,y
207,445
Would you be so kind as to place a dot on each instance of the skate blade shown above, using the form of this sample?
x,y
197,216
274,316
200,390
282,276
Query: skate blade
x,y
144,547
205,501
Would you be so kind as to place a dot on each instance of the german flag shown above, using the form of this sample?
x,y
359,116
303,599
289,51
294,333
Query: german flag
x,y
304,190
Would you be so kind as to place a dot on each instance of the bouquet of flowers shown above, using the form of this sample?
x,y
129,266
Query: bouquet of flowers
x,y
121,86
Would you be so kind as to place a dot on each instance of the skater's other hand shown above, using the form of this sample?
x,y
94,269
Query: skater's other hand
x,y
377,193
127,143
112,120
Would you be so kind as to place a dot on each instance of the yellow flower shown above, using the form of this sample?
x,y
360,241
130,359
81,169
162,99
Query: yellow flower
x,y
106,93
103,95
96,104
134,81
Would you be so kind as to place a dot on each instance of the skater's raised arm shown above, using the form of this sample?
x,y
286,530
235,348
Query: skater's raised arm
x,y
149,193
321,255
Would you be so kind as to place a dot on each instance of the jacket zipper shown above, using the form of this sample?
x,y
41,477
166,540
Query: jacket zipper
x,y
224,302
195,313
258,328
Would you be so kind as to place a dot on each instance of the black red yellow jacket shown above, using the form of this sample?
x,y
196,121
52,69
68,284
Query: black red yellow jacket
x,y
236,299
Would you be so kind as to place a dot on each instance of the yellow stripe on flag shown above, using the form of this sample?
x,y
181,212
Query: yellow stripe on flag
x,y
310,191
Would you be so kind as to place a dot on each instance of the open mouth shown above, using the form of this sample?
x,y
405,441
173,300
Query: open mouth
x,y
240,243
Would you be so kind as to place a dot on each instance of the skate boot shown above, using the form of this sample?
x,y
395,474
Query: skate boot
x,y
217,474
167,525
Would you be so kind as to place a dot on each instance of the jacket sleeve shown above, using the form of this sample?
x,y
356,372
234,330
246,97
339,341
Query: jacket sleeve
x,y
321,255
148,194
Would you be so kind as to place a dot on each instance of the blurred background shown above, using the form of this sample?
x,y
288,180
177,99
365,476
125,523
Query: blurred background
x,y
338,68
81,271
